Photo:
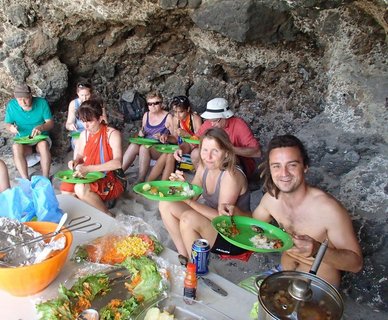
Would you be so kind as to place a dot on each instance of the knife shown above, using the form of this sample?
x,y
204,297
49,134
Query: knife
x,y
215,287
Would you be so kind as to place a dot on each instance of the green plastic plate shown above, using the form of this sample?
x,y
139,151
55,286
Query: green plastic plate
x,y
27,140
192,141
165,148
67,176
244,224
163,187
140,140
74,134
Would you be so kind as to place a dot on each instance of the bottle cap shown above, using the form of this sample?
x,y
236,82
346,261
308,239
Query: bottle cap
x,y
191,267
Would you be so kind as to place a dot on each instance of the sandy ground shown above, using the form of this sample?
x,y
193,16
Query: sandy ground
x,y
233,270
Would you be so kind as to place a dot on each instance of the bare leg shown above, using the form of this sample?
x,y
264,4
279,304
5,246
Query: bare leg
x,y
169,167
84,193
4,178
171,213
145,156
158,168
45,157
193,226
130,155
19,152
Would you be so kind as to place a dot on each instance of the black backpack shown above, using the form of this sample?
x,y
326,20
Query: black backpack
x,y
132,105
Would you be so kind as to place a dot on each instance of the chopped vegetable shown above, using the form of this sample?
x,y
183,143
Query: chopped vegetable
x,y
145,280
113,249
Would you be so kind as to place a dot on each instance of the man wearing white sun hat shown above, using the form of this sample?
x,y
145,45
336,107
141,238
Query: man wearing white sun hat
x,y
246,147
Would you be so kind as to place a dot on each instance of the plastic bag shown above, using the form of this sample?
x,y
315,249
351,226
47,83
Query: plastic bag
x,y
130,237
45,201
15,204
30,200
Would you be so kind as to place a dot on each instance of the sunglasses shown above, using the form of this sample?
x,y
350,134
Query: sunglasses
x,y
156,103
215,121
180,100
84,85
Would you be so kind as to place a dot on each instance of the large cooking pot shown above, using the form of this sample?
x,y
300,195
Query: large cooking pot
x,y
299,296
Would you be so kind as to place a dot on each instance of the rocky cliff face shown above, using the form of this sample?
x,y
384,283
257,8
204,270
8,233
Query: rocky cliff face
x,y
314,68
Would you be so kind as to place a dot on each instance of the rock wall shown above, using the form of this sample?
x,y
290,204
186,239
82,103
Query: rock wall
x,y
314,68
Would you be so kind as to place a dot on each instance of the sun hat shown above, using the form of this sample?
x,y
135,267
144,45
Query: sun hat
x,y
22,91
217,108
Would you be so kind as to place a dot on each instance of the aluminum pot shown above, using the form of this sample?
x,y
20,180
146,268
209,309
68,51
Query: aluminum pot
x,y
299,296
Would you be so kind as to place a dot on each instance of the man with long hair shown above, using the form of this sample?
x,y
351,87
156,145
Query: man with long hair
x,y
308,214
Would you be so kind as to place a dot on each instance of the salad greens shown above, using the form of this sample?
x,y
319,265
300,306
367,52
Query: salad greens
x,y
144,283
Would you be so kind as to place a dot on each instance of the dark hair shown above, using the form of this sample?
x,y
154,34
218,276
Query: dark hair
x,y
223,141
181,102
83,85
283,141
90,110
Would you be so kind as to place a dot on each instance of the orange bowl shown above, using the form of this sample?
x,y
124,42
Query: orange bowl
x,y
27,280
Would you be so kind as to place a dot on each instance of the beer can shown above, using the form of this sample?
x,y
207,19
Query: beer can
x,y
200,254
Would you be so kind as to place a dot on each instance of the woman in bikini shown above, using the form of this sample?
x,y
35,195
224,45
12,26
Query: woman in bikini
x,y
99,149
221,181
156,124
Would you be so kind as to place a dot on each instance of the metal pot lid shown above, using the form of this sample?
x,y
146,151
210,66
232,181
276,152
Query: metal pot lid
x,y
300,296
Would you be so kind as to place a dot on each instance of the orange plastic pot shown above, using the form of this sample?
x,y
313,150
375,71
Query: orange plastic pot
x,y
28,280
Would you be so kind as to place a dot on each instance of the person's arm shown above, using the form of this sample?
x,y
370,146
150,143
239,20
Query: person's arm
x,y
12,128
248,152
4,177
197,123
249,147
344,252
48,125
70,122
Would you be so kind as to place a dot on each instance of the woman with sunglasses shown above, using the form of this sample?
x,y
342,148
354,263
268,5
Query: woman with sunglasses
x,y
156,124
221,181
185,124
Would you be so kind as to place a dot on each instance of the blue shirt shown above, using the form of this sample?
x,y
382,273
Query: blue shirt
x,y
26,121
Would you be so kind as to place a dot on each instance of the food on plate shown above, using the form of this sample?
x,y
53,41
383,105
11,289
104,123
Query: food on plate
x,y
161,194
154,190
187,191
144,282
257,229
146,187
226,229
78,175
194,138
155,314
263,242
112,249
174,190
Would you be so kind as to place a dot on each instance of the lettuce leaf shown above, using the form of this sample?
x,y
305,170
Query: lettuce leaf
x,y
146,282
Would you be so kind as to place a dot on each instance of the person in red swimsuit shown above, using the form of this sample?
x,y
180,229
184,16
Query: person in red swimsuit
x,y
99,150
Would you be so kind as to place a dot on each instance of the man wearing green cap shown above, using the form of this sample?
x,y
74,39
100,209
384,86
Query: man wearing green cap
x,y
29,117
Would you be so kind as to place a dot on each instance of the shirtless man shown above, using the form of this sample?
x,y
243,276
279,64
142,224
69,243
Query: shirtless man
x,y
309,214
